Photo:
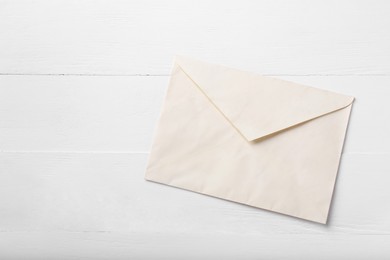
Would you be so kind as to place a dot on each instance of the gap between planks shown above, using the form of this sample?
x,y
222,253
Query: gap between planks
x,y
132,152
167,75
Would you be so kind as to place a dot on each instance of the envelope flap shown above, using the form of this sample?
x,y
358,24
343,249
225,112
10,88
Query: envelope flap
x,y
256,105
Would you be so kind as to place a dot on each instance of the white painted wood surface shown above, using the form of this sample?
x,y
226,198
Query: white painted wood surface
x,y
81,86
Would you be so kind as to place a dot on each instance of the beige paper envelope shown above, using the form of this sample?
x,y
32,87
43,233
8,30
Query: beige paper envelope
x,y
251,139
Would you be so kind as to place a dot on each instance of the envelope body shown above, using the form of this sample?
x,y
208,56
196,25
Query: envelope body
x,y
255,140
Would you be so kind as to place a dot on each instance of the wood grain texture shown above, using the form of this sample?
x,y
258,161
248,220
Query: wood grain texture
x,y
107,113
141,37
124,245
83,205
106,192
51,113
81,87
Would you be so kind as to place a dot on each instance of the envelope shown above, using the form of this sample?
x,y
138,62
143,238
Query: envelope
x,y
251,139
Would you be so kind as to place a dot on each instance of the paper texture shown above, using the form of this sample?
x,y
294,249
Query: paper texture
x,y
251,139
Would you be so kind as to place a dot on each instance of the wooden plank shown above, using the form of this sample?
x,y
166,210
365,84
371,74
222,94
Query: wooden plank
x,y
106,192
107,113
79,113
135,245
141,37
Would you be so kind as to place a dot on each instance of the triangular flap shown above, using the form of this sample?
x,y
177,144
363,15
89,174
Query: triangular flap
x,y
256,105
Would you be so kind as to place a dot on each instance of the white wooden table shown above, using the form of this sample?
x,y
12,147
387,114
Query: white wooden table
x,y
81,87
